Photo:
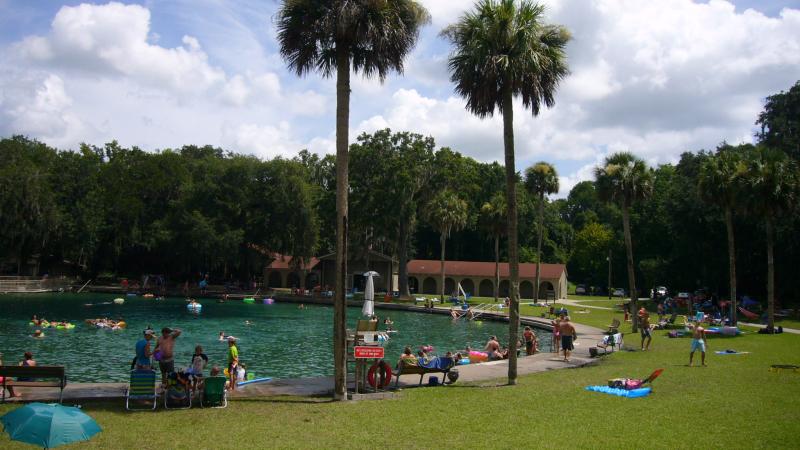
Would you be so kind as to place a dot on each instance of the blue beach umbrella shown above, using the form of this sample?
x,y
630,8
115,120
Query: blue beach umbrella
x,y
49,425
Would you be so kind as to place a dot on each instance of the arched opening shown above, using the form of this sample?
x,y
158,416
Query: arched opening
x,y
274,280
293,280
505,288
468,286
449,286
413,285
312,280
546,290
526,289
429,286
486,288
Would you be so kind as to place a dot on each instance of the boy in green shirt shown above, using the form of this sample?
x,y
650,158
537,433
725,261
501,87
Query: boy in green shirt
x,y
233,361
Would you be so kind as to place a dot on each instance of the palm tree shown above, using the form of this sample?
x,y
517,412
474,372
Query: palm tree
x,y
445,213
625,179
494,221
720,184
540,179
333,37
772,180
503,49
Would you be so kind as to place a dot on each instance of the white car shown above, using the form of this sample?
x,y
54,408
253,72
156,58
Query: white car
x,y
580,290
661,291
619,292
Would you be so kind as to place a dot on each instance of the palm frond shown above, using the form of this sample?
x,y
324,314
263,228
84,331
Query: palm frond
x,y
503,44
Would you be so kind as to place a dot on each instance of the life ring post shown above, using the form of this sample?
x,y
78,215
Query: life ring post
x,y
380,375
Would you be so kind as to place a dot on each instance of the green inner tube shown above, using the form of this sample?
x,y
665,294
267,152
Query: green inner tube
x,y
249,300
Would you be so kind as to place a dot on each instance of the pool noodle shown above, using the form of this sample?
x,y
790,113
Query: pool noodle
x,y
255,380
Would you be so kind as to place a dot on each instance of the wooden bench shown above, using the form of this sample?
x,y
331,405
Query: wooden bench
x,y
406,369
54,376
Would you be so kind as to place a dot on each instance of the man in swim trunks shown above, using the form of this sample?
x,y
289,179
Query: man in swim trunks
x,y
568,335
644,327
166,345
530,341
698,342
493,348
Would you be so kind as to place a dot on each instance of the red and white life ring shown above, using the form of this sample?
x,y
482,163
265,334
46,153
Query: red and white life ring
x,y
384,372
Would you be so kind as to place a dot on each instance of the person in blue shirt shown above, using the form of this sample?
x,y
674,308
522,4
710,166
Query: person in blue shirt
x,y
143,351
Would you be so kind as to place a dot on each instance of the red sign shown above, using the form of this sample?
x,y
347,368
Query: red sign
x,y
368,352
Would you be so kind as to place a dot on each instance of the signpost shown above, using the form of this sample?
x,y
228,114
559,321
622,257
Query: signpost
x,y
364,352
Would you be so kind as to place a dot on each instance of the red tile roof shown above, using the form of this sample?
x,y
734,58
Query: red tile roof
x,y
481,269
282,262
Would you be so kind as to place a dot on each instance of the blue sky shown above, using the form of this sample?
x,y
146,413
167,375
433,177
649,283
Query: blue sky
x,y
655,77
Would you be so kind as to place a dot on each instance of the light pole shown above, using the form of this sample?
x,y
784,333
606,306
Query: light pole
x,y
608,258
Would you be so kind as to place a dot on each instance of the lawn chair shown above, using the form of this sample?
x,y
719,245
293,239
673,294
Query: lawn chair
x,y
142,388
614,327
214,394
612,340
362,326
178,395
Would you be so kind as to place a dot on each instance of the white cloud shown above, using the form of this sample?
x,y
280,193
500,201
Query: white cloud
x,y
113,39
261,140
47,113
656,78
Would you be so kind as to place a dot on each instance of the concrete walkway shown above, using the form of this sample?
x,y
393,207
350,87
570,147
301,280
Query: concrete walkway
x,y
323,386
575,303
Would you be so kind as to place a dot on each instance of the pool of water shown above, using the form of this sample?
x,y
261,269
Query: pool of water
x,y
282,341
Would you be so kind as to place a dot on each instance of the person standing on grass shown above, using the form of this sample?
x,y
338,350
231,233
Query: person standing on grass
x,y
698,342
233,361
644,327
568,336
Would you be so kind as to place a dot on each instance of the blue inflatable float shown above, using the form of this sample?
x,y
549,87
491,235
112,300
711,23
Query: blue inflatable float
x,y
642,392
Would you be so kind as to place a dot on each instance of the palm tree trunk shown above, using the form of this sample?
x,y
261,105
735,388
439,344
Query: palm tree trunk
x,y
441,269
339,305
731,261
513,257
402,255
770,275
539,250
496,267
626,224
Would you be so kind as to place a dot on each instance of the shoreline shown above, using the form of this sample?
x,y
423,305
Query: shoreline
x,y
323,385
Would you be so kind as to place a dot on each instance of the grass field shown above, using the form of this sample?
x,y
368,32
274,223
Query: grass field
x,y
735,402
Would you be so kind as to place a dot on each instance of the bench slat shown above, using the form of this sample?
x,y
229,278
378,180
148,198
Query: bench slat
x,y
33,372
33,384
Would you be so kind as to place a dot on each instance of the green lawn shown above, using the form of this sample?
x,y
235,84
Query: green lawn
x,y
735,402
